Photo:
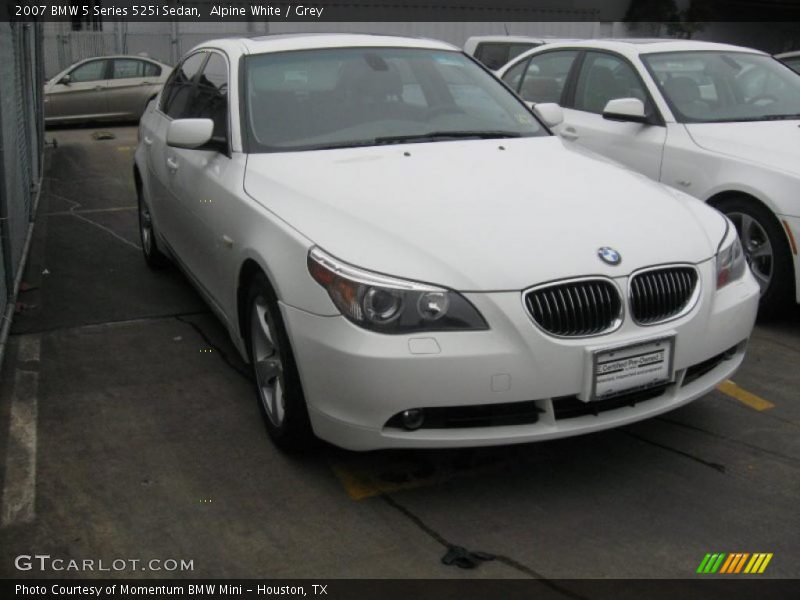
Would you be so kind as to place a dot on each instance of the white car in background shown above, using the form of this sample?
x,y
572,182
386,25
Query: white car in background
x,y
790,59
351,207
719,122
496,50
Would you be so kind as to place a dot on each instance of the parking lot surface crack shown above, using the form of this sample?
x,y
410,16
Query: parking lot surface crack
x,y
76,205
473,558
730,439
716,466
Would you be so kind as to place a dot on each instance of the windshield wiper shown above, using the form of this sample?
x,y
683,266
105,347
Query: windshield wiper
x,y
337,145
779,117
445,135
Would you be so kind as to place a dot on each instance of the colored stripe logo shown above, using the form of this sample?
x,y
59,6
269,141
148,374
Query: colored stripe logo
x,y
735,562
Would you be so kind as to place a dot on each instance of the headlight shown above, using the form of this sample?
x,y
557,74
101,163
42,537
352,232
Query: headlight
x,y
390,305
730,258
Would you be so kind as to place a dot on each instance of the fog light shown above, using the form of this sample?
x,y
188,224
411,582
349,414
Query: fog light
x,y
413,419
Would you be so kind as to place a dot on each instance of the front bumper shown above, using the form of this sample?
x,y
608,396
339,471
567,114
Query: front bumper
x,y
355,380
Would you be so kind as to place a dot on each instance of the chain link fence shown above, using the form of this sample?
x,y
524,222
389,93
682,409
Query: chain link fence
x,y
168,41
21,144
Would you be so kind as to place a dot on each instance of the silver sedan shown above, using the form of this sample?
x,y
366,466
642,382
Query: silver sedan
x,y
108,88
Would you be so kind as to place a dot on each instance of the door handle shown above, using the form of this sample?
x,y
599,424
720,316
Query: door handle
x,y
98,88
148,141
146,83
172,164
569,133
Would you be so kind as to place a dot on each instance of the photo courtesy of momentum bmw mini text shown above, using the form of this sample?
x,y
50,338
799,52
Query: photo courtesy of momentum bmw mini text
x,y
380,298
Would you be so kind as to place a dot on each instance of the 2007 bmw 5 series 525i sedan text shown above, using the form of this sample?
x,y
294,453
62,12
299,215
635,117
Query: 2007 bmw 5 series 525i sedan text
x,y
409,258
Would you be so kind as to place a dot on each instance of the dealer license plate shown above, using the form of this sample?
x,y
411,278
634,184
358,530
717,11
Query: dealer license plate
x,y
632,368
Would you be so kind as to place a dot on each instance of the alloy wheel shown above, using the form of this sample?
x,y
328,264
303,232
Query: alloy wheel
x,y
267,363
757,247
146,227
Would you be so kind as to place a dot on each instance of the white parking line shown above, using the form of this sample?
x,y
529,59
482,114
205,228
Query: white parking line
x,y
19,491
28,348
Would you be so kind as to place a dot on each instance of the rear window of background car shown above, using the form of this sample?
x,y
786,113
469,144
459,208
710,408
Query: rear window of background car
x,y
129,68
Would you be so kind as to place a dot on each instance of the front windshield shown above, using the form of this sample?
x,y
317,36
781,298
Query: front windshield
x,y
344,97
714,87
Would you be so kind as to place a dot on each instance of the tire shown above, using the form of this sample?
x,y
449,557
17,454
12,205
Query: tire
x,y
766,250
277,382
154,258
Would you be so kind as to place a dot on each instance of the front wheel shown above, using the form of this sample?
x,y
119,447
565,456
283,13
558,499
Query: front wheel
x,y
154,258
278,388
766,251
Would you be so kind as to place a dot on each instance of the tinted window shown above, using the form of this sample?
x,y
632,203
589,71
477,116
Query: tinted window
x,y
179,88
725,86
359,96
91,71
211,97
605,77
496,54
546,76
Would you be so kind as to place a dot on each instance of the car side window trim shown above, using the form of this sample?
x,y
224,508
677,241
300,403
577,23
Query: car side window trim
x,y
568,95
658,118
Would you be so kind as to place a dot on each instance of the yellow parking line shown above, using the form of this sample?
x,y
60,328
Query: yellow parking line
x,y
372,475
729,388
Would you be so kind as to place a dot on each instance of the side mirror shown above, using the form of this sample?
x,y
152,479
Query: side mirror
x,y
189,133
625,109
65,80
549,112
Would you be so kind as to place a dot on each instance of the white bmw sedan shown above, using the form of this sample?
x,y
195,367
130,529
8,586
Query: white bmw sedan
x,y
409,258
719,122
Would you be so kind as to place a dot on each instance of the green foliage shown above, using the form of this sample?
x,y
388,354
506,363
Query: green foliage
x,y
679,23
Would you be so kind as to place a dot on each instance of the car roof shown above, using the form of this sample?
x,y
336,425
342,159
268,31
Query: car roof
x,y
310,41
513,39
635,46
112,56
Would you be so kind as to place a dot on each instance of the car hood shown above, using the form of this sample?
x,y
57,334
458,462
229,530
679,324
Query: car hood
x,y
481,215
775,144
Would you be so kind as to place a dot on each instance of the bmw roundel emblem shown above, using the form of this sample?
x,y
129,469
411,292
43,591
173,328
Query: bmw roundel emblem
x,y
609,255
